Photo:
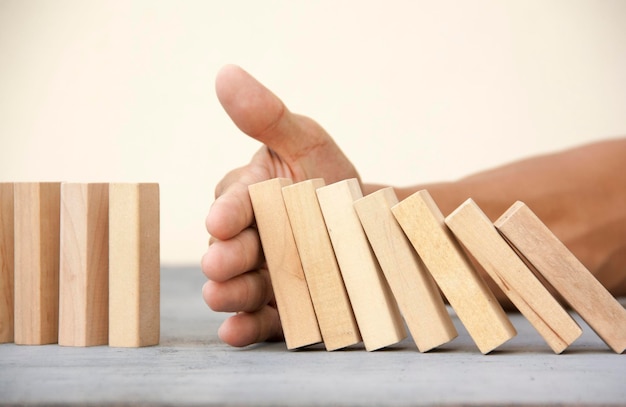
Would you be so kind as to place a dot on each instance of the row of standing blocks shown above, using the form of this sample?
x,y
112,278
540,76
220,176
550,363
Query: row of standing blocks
x,y
347,268
80,264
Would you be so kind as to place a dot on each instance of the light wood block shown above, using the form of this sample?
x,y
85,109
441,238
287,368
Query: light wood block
x,y
565,273
479,236
412,285
134,264
6,262
328,292
84,265
375,309
467,293
295,308
37,214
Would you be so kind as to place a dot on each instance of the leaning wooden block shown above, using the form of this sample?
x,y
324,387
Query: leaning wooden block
x,y
479,236
293,300
36,275
134,265
412,285
375,309
6,262
469,296
569,277
84,265
328,293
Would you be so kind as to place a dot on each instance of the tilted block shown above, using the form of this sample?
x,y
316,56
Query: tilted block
x,y
295,308
328,292
375,309
467,293
565,273
36,276
479,236
84,265
134,264
6,262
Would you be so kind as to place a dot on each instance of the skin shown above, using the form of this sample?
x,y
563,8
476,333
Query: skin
x,y
579,193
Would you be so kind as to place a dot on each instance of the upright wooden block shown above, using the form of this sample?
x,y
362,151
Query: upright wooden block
x,y
376,310
6,262
134,265
328,292
479,236
550,257
36,276
474,303
412,285
295,308
84,265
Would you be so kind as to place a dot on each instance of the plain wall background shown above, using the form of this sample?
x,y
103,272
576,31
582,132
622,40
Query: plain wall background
x,y
413,91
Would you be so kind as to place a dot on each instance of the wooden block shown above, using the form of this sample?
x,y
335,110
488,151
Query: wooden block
x,y
467,293
375,309
134,265
6,262
412,285
295,307
36,275
84,265
328,293
479,236
550,257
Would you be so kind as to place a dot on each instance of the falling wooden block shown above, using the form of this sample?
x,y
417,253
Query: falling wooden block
x,y
84,265
6,262
565,273
293,300
479,236
328,293
412,285
134,265
36,259
467,293
375,309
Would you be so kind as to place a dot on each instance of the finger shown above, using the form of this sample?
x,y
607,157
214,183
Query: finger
x,y
230,213
248,292
225,259
247,328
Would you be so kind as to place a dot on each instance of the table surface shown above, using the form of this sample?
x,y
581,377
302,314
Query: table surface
x,y
191,366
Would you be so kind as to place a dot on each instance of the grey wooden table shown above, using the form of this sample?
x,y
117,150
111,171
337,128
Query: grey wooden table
x,y
191,367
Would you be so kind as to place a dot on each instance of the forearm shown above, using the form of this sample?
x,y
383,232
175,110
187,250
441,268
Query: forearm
x,y
580,194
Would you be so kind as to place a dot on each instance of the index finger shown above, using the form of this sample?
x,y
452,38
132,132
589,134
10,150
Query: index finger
x,y
230,213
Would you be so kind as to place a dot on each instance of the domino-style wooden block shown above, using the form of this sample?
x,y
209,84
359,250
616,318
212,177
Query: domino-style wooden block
x,y
36,248
295,308
84,265
6,262
467,293
328,292
479,236
565,273
412,285
375,309
134,264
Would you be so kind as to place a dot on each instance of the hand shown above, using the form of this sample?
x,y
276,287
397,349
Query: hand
x,y
294,147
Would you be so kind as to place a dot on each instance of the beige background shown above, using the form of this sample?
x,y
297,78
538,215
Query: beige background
x,y
413,91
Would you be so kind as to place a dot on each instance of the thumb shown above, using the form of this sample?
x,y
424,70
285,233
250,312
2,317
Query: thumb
x,y
263,116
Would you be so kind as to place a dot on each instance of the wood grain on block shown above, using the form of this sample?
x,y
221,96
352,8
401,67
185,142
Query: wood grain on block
x,y
467,293
134,264
37,216
375,309
328,292
565,273
479,236
293,300
84,265
412,285
6,262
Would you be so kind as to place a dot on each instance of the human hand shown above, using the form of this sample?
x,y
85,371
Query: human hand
x,y
295,147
